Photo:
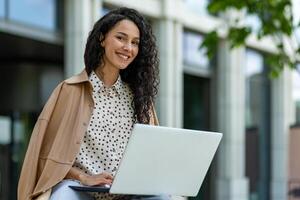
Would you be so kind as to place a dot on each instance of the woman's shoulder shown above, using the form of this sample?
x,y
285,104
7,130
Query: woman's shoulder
x,y
82,77
74,82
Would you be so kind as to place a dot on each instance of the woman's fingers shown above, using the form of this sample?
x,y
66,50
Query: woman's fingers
x,y
99,179
107,175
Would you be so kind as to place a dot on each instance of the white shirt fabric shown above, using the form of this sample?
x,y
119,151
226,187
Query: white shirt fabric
x,y
108,131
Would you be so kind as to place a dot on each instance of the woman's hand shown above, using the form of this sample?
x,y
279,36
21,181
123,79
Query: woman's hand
x,y
99,179
86,179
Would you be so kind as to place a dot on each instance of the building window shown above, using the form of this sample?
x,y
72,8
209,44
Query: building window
x,y
2,8
296,95
253,72
258,125
39,13
197,6
192,54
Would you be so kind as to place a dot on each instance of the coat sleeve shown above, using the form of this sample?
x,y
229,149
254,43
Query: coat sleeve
x,y
29,173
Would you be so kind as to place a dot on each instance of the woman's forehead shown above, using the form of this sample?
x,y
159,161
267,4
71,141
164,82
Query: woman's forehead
x,y
127,27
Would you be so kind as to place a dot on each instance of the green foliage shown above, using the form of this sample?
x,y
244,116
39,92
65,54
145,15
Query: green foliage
x,y
209,43
237,36
276,21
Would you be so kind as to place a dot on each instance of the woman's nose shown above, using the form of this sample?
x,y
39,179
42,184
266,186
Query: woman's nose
x,y
127,46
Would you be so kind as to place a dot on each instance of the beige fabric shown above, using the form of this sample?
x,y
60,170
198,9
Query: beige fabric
x,y
44,196
60,128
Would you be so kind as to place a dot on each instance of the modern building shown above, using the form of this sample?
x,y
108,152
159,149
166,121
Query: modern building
x,y
42,42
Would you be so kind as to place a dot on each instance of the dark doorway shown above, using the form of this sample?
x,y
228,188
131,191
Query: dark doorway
x,y
197,116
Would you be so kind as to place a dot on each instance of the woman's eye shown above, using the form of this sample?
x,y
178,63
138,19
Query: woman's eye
x,y
120,38
136,43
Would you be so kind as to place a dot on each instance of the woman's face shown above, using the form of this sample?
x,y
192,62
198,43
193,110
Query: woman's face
x,y
121,45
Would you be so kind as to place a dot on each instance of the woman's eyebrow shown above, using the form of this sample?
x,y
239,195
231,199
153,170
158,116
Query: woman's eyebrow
x,y
124,34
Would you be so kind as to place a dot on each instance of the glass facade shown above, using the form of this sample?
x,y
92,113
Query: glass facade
x,y
38,13
196,94
197,116
196,102
253,71
30,69
2,8
296,95
15,133
258,125
192,54
17,117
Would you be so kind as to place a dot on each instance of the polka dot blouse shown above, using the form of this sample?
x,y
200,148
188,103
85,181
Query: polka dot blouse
x,y
108,131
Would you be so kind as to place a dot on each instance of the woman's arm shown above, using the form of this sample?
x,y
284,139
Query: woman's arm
x,y
86,179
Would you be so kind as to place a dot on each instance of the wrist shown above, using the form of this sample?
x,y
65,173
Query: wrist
x,y
77,174
82,177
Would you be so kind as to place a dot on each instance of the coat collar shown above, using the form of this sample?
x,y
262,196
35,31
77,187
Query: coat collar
x,y
79,78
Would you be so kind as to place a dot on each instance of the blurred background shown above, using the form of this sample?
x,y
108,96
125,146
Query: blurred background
x,y
42,42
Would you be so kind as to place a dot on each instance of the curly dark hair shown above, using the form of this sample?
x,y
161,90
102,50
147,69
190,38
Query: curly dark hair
x,y
142,73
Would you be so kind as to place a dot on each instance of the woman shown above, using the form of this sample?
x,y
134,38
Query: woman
x,y
82,132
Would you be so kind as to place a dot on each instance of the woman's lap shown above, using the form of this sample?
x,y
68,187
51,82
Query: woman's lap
x,y
62,191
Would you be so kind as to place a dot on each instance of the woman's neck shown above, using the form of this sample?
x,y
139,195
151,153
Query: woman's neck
x,y
107,75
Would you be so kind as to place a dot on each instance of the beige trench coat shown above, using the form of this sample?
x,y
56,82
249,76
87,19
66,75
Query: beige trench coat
x,y
57,137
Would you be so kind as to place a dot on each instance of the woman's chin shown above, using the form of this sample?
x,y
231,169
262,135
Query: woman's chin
x,y
121,67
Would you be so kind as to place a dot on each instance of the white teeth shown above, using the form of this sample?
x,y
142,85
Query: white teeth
x,y
123,56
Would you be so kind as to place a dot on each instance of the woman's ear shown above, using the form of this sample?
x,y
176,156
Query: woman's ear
x,y
101,40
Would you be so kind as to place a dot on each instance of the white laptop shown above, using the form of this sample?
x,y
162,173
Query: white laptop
x,y
161,160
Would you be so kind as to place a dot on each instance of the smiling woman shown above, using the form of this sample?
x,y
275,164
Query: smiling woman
x,y
84,128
